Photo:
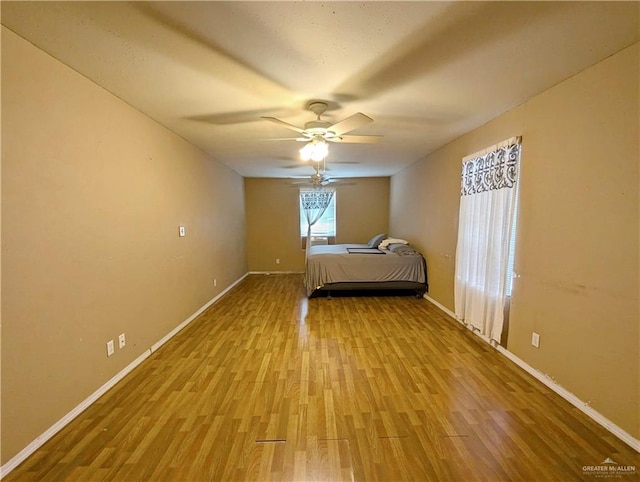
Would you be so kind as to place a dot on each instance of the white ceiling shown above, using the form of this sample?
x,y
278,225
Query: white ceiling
x,y
426,72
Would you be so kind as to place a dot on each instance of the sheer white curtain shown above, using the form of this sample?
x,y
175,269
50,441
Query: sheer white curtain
x,y
314,203
487,215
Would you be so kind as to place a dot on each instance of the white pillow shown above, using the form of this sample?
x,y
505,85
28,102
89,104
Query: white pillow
x,y
384,244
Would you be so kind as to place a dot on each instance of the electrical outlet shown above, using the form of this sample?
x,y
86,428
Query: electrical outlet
x,y
535,339
110,348
277,260
215,282
121,341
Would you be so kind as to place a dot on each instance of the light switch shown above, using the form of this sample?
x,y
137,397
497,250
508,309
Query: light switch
x,y
182,231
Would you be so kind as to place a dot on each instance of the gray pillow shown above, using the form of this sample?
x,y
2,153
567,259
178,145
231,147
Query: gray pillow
x,y
376,240
403,250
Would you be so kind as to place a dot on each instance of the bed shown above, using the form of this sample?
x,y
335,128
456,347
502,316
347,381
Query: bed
x,y
372,266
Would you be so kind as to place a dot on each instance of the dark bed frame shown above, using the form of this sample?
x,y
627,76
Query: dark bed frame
x,y
419,289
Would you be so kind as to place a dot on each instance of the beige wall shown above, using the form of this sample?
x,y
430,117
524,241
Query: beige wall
x,y
577,245
93,193
273,231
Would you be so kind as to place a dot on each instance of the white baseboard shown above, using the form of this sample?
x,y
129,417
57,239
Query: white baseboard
x,y
442,307
276,272
550,383
575,401
60,424
173,332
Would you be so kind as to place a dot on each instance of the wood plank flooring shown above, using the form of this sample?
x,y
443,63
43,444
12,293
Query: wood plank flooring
x,y
267,385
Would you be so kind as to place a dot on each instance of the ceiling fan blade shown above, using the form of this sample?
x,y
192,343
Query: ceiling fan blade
x,y
357,139
350,123
283,124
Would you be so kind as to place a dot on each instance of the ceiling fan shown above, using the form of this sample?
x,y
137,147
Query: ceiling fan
x,y
320,130
319,178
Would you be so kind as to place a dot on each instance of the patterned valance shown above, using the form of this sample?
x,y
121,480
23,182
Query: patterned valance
x,y
493,170
316,199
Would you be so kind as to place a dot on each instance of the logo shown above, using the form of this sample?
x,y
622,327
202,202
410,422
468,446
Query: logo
x,y
609,468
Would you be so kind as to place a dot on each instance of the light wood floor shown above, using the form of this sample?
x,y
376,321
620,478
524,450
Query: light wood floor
x,y
267,385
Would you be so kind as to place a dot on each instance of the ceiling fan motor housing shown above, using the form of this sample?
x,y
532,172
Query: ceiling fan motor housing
x,y
317,126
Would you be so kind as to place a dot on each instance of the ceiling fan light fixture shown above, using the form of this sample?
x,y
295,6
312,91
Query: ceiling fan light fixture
x,y
315,150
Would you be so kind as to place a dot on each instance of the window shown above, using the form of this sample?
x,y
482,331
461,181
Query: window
x,y
486,236
323,231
